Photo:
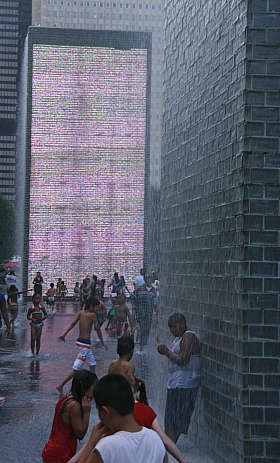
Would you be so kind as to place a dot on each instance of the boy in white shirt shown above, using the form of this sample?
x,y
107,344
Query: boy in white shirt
x,y
115,402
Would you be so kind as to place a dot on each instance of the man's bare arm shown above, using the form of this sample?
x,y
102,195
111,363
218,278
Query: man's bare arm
x,y
189,345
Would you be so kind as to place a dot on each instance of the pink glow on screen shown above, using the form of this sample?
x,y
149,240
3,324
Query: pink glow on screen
x,y
87,162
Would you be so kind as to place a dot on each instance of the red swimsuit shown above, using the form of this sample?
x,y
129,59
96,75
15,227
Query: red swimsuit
x,y
62,443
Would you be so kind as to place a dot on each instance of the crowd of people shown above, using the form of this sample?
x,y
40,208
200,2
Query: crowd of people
x,y
121,398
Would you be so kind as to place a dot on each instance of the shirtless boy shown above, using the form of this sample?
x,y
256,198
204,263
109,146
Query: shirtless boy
x,y
122,365
101,312
87,319
51,295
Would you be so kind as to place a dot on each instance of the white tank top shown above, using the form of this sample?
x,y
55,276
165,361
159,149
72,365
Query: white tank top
x,y
183,376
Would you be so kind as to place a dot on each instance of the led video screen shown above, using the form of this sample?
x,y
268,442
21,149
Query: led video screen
x,y
87,162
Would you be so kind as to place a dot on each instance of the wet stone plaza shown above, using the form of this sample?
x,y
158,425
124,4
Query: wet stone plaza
x,y
29,384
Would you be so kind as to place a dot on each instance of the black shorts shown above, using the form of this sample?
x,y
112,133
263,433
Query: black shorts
x,y
179,409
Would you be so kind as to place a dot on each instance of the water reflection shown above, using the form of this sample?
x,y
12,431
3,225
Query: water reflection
x,y
34,376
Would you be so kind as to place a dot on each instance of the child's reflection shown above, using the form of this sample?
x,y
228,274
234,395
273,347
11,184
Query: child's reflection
x,y
35,375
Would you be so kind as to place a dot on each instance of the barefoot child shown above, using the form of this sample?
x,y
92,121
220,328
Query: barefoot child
x,y
37,314
87,319
76,291
13,301
122,365
63,291
101,313
111,316
51,296
123,316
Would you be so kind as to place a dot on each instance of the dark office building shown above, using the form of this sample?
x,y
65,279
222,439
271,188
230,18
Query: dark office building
x,y
15,17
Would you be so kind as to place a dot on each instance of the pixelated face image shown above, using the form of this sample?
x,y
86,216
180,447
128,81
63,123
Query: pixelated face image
x,y
88,147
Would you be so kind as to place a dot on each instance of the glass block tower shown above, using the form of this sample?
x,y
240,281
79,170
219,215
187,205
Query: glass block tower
x,y
143,15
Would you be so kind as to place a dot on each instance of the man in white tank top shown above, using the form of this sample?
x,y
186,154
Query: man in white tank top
x,y
184,368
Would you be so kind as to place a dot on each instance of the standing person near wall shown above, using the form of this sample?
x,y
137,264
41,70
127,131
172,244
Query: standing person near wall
x,y
123,286
184,374
38,284
139,279
145,303
114,283
146,416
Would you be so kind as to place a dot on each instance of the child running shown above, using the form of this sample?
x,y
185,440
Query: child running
x,y
87,319
37,314
122,365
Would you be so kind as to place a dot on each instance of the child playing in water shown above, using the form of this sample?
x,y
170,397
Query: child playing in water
x,y
63,291
13,301
37,314
101,312
51,296
111,315
76,291
122,365
124,320
86,319
71,419
145,416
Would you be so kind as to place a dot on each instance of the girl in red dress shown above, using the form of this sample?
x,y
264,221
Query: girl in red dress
x,y
71,419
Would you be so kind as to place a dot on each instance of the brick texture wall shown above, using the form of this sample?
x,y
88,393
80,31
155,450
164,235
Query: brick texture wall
x,y
220,215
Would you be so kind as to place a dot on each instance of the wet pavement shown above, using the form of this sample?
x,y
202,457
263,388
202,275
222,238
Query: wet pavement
x,y
29,384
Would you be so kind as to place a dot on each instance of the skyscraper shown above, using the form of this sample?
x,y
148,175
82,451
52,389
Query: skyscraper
x,y
15,17
129,15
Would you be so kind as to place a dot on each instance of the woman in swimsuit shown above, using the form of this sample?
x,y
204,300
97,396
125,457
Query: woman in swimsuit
x,y
37,313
